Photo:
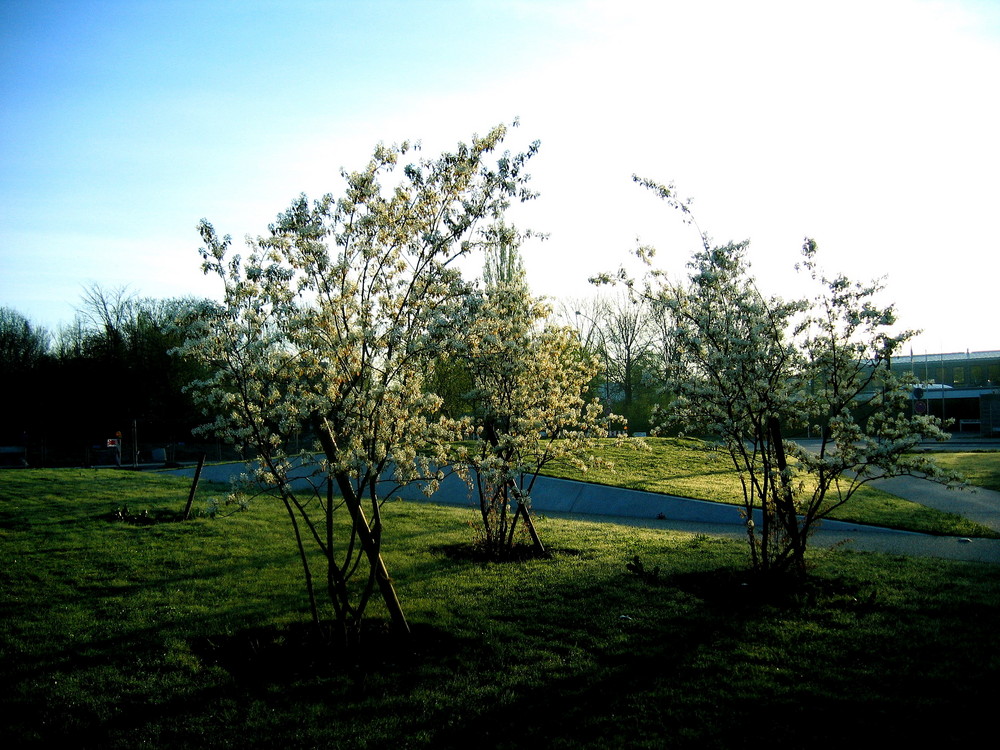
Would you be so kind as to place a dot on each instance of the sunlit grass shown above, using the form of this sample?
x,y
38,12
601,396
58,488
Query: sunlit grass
x,y
123,634
981,469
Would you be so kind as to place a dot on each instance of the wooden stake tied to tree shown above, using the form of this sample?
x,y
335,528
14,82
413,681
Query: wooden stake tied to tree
x,y
328,327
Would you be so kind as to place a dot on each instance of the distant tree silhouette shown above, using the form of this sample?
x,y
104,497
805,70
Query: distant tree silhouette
x,y
108,371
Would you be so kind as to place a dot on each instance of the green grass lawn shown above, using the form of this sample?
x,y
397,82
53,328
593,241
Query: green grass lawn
x,y
981,469
696,469
149,632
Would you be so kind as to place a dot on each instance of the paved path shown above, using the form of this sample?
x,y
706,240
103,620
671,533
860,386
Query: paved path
x,y
611,504
592,502
975,503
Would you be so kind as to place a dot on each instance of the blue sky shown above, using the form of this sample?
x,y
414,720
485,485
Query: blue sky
x,y
870,126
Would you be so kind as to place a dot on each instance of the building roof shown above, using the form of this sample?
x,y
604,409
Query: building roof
x,y
907,359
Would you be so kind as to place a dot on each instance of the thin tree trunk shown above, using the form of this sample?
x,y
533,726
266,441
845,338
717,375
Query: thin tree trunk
x,y
535,539
783,496
303,557
372,549
336,585
369,544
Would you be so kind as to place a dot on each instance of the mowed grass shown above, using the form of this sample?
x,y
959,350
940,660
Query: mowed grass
x,y
701,470
168,634
981,468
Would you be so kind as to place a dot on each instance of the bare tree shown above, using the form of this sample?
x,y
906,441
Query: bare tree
x,y
107,315
628,338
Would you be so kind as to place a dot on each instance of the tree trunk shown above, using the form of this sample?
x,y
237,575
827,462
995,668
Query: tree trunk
x,y
372,550
784,502
369,544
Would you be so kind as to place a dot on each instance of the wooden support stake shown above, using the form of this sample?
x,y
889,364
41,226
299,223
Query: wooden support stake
x,y
194,487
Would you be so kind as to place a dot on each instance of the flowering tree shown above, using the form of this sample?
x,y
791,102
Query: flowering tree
x,y
529,383
327,330
524,384
860,409
750,365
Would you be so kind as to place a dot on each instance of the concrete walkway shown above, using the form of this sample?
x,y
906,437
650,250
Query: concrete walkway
x,y
975,503
592,502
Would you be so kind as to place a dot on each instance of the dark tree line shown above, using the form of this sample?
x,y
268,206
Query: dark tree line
x,y
107,375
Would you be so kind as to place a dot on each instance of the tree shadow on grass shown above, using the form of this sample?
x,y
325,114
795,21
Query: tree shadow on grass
x,y
642,681
745,590
662,686
470,552
282,656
